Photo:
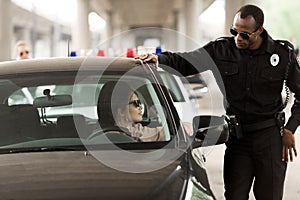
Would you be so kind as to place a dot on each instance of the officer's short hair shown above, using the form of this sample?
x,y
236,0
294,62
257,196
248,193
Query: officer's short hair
x,y
253,11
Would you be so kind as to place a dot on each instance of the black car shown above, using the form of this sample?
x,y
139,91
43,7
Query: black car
x,y
54,144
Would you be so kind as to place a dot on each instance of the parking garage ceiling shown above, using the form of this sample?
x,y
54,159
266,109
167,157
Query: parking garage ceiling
x,y
139,13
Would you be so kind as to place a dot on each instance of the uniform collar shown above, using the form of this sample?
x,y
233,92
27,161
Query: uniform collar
x,y
268,44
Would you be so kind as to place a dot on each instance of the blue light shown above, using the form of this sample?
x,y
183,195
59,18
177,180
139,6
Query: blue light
x,y
158,50
73,54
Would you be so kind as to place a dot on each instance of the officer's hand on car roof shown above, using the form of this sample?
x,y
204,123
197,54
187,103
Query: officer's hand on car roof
x,y
149,57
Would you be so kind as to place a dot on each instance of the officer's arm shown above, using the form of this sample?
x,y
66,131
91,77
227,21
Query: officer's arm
x,y
288,138
184,63
294,85
192,62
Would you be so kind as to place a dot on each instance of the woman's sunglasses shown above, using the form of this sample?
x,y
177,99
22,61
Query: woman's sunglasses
x,y
136,103
24,52
244,35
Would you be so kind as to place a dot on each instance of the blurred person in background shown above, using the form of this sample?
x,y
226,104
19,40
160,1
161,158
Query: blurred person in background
x,y
22,51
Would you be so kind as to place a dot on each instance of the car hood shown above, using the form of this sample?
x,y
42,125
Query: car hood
x,y
73,175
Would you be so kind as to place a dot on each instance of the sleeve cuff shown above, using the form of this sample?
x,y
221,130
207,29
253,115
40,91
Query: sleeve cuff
x,y
292,126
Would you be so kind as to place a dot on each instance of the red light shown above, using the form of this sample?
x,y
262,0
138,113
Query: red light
x,y
130,53
100,53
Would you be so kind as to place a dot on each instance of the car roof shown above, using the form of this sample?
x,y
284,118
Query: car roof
x,y
68,64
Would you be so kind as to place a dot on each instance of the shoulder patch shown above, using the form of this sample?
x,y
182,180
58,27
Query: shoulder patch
x,y
289,46
222,39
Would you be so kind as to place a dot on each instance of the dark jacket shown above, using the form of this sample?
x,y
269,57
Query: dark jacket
x,y
252,80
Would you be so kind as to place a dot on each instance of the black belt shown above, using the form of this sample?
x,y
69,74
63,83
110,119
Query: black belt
x,y
259,125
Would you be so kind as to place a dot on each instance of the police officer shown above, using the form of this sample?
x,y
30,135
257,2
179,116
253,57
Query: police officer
x,y
253,68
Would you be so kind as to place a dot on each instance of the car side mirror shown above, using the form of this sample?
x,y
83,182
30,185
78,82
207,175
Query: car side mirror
x,y
210,130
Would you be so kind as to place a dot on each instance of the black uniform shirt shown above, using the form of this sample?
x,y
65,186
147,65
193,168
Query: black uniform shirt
x,y
253,79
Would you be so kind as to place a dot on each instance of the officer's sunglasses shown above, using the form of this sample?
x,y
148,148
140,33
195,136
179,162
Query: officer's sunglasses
x,y
136,103
244,35
24,52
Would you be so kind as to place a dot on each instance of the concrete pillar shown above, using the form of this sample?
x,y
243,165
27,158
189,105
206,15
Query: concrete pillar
x,y
108,26
188,24
193,8
232,6
81,32
116,24
181,28
55,39
5,30
26,36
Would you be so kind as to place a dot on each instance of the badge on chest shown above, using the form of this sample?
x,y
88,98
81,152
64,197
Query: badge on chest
x,y
274,60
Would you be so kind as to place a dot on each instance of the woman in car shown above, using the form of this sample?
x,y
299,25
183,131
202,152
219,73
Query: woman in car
x,y
119,106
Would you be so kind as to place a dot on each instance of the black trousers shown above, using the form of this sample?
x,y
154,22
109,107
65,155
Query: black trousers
x,y
255,157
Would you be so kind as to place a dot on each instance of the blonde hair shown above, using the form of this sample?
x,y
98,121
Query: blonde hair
x,y
20,43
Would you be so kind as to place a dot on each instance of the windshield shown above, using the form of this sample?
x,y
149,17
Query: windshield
x,y
63,109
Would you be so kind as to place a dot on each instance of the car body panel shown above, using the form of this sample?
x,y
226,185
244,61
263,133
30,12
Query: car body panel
x,y
72,175
69,64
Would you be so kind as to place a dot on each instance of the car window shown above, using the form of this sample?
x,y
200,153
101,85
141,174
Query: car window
x,y
31,121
